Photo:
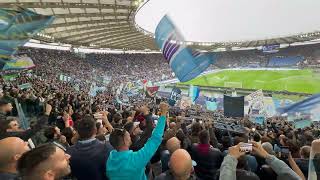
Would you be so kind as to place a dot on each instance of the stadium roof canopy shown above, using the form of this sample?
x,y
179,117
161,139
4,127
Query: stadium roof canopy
x,y
115,24
90,23
208,24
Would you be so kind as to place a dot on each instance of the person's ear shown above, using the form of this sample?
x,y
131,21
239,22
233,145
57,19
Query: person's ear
x,y
16,157
49,175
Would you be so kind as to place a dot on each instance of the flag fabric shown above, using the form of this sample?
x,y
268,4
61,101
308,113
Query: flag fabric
x,y
233,106
151,91
185,63
211,105
306,105
194,92
185,102
19,63
17,27
174,96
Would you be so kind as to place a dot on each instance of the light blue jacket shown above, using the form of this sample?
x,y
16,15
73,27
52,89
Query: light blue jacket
x,y
129,165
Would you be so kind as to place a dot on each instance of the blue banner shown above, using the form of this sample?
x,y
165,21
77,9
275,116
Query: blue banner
x,y
194,92
185,63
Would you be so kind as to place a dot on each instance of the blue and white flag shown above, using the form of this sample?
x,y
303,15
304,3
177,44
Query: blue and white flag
x,y
17,27
306,105
194,92
185,63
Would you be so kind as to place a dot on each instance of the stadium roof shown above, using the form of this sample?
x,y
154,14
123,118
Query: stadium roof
x,y
111,24
91,23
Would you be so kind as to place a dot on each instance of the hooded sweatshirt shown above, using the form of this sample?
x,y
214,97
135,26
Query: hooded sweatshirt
x,y
124,165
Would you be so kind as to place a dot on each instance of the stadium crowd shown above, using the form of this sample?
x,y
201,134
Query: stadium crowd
x,y
75,136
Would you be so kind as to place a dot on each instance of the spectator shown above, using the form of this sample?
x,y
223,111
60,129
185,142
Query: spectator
x,y
44,162
229,171
5,108
172,145
303,162
88,155
180,167
11,150
126,164
10,127
208,159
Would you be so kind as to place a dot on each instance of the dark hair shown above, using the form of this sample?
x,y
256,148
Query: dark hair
x,y
256,137
116,118
116,138
195,129
204,137
30,160
129,127
49,132
4,123
4,102
68,133
86,127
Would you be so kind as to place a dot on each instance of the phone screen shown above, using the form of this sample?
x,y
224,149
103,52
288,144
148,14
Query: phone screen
x,y
246,147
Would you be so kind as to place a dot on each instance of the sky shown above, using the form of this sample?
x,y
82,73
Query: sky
x,y
233,20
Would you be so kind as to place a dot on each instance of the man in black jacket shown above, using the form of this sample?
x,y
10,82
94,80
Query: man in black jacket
x,y
89,155
208,159
10,126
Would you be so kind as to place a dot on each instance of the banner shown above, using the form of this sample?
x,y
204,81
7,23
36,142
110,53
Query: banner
x,y
185,63
302,123
151,91
174,96
194,92
269,107
233,106
185,102
211,105
258,119
19,63
24,86
254,102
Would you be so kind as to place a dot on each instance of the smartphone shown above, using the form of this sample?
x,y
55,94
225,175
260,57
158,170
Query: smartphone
x,y
246,147
284,150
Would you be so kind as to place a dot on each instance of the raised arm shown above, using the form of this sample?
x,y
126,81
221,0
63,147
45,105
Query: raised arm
x,y
143,156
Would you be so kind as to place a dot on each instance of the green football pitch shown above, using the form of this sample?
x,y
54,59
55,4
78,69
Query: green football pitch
x,y
304,81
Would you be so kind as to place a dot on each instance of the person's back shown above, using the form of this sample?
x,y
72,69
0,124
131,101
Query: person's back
x,y
88,156
88,159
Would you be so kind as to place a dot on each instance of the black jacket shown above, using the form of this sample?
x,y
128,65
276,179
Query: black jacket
x,y
88,159
27,134
208,160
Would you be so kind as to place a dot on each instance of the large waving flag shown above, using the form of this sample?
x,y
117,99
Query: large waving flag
x,y
17,27
185,63
23,62
307,105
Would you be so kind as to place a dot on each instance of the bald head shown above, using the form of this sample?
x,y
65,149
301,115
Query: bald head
x,y
11,150
172,125
181,164
173,144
